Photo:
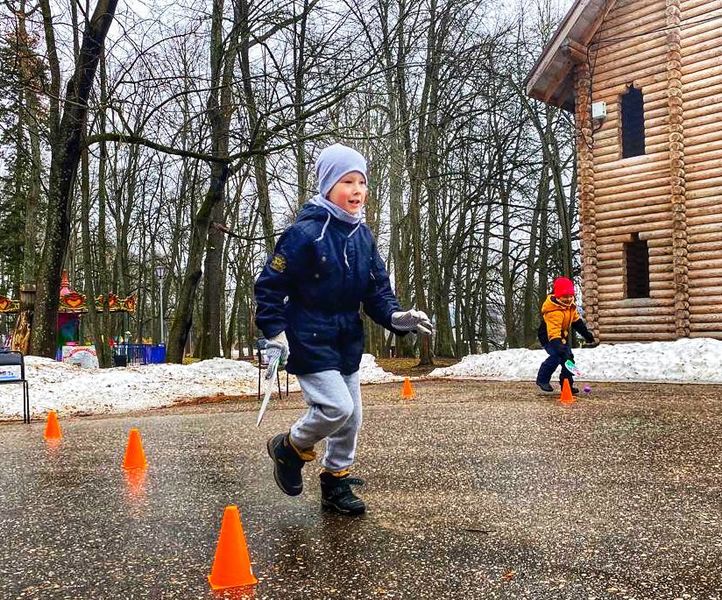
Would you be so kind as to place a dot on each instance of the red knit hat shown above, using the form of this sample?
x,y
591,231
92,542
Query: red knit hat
x,y
563,286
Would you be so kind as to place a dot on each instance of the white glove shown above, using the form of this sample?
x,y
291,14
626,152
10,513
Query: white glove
x,y
277,348
412,320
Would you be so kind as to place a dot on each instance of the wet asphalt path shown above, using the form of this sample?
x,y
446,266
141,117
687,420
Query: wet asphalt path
x,y
475,490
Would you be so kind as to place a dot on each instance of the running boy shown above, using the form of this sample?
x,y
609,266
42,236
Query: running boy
x,y
308,297
559,313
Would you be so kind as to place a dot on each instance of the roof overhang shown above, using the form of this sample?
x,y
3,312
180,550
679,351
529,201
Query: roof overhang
x,y
550,80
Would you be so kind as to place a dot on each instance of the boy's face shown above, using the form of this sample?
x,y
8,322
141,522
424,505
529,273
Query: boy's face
x,y
349,192
566,299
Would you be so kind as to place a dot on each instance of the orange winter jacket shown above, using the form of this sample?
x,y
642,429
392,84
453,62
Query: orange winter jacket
x,y
557,318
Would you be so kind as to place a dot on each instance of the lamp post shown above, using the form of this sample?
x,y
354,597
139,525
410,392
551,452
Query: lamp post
x,y
160,274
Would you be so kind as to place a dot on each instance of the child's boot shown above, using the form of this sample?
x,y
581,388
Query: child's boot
x,y
545,387
287,463
575,390
336,494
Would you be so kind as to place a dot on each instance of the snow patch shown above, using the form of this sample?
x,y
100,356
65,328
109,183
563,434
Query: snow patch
x,y
683,361
72,389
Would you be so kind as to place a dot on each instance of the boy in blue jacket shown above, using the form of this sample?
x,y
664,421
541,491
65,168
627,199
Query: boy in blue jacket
x,y
308,297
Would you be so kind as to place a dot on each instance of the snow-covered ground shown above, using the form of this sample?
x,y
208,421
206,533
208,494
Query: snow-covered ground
x,y
70,389
683,361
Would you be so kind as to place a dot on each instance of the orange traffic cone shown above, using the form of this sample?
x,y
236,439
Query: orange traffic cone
x,y
231,565
407,392
52,428
566,396
134,455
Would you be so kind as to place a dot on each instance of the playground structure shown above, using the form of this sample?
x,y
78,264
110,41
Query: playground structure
x,y
72,306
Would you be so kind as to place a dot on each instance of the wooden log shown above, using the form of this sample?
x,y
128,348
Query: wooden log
x,y
709,267
637,311
659,175
702,134
710,255
695,84
633,223
710,62
659,279
714,334
656,295
704,229
706,286
654,133
613,157
698,215
704,166
703,248
694,8
655,92
709,274
657,207
706,318
694,108
615,204
701,220
712,328
641,329
642,22
635,199
703,309
701,154
614,276
704,237
611,241
634,228
636,164
605,320
609,337
703,193
698,49
648,53
706,178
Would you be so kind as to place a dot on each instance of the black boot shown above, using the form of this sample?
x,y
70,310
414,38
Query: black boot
x,y
287,464
575,390
336,494
545,387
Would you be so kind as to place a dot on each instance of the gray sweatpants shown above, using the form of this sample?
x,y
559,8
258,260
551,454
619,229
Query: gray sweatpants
x,y
334,413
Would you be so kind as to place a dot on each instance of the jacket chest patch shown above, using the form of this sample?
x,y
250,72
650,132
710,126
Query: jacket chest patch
x,y
278,263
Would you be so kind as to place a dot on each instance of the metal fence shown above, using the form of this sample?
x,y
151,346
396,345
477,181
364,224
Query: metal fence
x,y
138,354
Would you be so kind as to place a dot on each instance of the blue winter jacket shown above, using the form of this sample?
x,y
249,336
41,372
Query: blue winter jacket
x,y
312,286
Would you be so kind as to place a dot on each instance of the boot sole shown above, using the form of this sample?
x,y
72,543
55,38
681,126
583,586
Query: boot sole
x,y
330,506
275,473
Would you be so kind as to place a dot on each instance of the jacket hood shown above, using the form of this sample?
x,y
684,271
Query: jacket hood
x,y
312,212
551,304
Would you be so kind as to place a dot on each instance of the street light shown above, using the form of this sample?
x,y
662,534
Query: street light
x,y
160,274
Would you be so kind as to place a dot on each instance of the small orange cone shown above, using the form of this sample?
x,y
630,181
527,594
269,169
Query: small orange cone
x,y
566,397
231,565
52,428
407,392
134,455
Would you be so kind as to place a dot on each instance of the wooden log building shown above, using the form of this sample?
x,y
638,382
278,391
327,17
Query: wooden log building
x,y
644,80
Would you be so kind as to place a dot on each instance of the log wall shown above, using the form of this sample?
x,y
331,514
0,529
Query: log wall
x,y
672,196
701,88
632,195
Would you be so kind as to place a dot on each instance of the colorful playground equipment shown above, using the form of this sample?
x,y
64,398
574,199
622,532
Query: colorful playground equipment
x,y
70,310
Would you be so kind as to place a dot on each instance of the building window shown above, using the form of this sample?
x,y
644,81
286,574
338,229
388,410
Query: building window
x,y
636,258
632,123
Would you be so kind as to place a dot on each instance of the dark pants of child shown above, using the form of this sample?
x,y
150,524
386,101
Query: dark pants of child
x,y
547,368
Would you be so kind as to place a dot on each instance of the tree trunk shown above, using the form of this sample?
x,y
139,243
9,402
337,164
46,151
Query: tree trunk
x,y
65,156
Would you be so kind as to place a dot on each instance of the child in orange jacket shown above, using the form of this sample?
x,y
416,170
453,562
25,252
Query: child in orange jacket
x,y
559,313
